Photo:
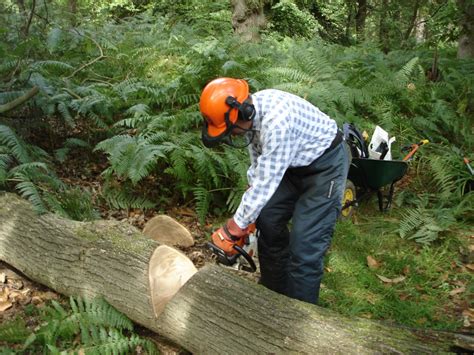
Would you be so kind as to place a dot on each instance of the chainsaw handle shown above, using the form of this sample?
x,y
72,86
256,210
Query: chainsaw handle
x,y
247,257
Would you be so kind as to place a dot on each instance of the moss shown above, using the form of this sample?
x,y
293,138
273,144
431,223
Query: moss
x,y
122,236
86,233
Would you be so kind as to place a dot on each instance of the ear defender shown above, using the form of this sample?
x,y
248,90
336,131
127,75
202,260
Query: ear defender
x,y
246,109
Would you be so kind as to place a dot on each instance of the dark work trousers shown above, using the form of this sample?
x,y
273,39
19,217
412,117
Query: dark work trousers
x,y
292,263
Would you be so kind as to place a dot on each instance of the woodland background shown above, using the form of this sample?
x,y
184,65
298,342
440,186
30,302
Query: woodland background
x,y
99,118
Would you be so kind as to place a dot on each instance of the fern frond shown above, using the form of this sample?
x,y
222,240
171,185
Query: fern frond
x,y
64,110
14,332
29,191
203,200
8,65
121,198
403,76
292,74
51,64
15,144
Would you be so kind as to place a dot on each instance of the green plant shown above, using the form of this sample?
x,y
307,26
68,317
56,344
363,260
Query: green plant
x,y
27,168
92,327
291,21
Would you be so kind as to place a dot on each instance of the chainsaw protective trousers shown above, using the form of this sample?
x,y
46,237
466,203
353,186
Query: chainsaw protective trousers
x,y
292,263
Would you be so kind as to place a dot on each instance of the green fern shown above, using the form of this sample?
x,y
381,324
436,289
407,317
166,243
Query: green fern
x,y
16,146
100,327
203,200
14,331
124,197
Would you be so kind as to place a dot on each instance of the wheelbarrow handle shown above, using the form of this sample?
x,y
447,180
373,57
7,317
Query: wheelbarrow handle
x,y
468,164
414,148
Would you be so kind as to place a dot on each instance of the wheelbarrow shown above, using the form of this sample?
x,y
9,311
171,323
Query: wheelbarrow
x,y
367,176
371,176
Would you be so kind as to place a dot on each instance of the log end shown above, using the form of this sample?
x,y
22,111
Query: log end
x,y
169,270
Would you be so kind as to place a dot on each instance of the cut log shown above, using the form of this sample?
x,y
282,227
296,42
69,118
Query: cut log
x,y
216,311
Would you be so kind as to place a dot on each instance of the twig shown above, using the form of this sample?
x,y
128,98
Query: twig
x,y
19,100
28,24
72,93
46,10
100,57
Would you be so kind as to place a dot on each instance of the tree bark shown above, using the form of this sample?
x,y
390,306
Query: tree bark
x,y
383,27
216,311
21,5
466,39
248,18
360,18
412,23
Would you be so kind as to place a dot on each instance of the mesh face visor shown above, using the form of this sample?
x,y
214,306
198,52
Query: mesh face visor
x,y
238,141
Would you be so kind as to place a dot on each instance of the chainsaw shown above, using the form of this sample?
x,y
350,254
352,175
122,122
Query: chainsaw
x,y
246,249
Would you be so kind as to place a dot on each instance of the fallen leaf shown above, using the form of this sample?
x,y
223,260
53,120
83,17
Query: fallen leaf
x,y
403,296
372,263
406,270
15,284
36,300
49,295
391,281
470,266
5,305
14,296
3,278
399,279
457,291
459,283
419,288
468,313
327,269
444,277
4,294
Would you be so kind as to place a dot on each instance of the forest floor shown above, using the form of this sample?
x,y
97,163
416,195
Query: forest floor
x,y
370,271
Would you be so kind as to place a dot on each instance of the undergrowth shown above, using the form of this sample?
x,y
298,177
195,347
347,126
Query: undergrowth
x,y
83,326
423,293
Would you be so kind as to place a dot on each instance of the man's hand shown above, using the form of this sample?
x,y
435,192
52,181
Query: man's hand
x,y
229,235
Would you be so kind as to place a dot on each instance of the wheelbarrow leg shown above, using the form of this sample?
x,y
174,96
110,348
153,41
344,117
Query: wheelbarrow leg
x,y
382,207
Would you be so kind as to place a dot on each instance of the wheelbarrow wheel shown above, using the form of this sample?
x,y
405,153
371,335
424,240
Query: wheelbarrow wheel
x,y
348,197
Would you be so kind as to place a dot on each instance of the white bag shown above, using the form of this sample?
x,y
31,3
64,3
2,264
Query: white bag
x,y
379,143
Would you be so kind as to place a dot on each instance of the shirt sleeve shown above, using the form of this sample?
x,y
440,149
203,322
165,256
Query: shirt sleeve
x,y
271,165
253,163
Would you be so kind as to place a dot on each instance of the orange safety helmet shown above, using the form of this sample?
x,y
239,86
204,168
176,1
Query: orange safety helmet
x,y
221,102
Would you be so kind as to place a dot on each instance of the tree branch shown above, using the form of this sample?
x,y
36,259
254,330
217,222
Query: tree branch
x,y
100,57
19,100
30,18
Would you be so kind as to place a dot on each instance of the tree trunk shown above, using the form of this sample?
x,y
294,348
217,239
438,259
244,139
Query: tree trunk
x,y
466,39
72,8
21,5
350,18
360,18
248,18
215,311
412,23
383,27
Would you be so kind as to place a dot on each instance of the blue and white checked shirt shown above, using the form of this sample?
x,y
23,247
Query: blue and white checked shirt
x,y
290,132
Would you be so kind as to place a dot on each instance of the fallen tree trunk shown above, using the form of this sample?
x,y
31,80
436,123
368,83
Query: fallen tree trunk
x,y
215,311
